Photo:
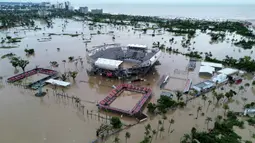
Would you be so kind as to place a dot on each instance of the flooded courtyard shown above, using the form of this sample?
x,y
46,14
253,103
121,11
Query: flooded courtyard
x,y
25,118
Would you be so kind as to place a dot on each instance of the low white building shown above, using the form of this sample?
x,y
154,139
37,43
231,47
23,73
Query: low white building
x,y
215,65
228,71
206,70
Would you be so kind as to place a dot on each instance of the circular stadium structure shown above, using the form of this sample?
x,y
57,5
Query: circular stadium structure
x,y
114,60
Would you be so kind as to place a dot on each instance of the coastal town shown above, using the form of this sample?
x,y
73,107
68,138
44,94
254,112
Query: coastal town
x,y
82,75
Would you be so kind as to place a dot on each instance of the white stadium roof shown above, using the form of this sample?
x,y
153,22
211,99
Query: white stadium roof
x,y
136,45
108,64
216,65
228,71
207,69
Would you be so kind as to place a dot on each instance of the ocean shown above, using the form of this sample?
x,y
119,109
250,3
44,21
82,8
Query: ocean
x,y
241,12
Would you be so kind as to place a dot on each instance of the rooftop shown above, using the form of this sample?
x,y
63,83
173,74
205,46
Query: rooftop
x,y
228,71
207,69
108,64
215,65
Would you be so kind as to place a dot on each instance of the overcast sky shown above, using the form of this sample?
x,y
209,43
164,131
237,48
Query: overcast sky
x,y
143,1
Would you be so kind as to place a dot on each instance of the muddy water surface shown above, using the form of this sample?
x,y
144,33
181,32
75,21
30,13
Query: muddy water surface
x,y
25,118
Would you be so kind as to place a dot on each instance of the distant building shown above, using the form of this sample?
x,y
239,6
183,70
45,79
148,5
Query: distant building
x,y
59,6
46,4
97,11
84,10
67,5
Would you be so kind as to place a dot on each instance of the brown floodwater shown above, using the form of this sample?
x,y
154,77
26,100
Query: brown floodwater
x,y
127,100
25,118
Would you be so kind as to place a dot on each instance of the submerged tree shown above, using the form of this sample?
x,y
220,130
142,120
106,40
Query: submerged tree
x,y
208,119
178,95
209,103
198,110
29,51
115,122
127,136
15,62
71,58
225,107
116,140
170,123
73,74
23,64
151,107
162,129
63,76
204,98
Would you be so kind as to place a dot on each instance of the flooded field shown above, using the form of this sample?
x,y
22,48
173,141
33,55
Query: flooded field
x,y
127,100
175,84
25,118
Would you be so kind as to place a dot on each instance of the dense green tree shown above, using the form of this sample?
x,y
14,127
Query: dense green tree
x,y
115,122
151,107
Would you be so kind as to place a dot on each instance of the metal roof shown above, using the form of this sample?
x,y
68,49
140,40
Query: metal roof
x,y
228,71
216,65
207,69
108,64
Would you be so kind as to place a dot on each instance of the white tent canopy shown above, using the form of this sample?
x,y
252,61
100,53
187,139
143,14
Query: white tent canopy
x,y
228,71
215,65
58,82
108,64
207,69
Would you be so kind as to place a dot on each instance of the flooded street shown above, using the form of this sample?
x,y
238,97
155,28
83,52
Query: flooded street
x,y
25,118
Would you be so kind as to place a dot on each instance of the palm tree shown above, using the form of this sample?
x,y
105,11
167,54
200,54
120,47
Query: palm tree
x,y
225,107
159,123
127,136
170,123
164,117
178,95
193,132
240,88
148,127
147,130
209,103
64,62
208,119
63,76
162,129
218,97
73,74
219,117
154,132
186,138
214,94
204,98
116,140
198,109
